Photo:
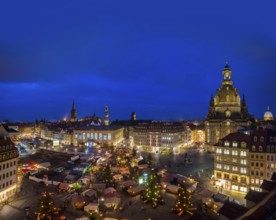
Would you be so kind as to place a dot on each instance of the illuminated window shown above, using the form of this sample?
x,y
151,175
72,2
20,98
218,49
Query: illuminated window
x,y
235,144
234,160
235,187
243,153
218,166
234,152
226,152
243,144
226,143
235,168
243,170
257,181
243,189
226,167
218,151
252,181
253,148
109,136
243,162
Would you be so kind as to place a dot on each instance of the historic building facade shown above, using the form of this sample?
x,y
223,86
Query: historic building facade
x,y
226,111
244,161
8,166
158,136
231,164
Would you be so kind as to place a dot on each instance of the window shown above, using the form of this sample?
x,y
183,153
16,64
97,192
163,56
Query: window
x,y
243,162
235,144
218,175
109,136
218,151
226,152
243,170
253,148
255,138
100,136
226,143
257,181
218,166
243,189
226,167
235,187
226,176
261,164
243,153
243,180
243,144
262,139
252,164
252,172
234,168
257,164
234,160
257,173
252,155
234,152
260,148
267,157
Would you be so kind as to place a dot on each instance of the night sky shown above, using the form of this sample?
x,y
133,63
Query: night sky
x,y
161,59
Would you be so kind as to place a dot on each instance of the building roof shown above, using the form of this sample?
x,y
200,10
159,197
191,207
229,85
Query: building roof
x,y
268,185
232,210
237,137
273,178
255,196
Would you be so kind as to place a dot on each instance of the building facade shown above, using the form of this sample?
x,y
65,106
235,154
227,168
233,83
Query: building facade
x,y
231,164
158,136
244,161
8,167
226,111
102,135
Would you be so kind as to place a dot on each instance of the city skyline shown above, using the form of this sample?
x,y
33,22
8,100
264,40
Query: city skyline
x,y
162,61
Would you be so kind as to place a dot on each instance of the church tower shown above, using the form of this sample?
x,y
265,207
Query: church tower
x,y
133,116
106,116
73,113
226,111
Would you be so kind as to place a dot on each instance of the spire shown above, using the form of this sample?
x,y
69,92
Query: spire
x,y
268,108
106,116
212,101
227,75
73,113
243,101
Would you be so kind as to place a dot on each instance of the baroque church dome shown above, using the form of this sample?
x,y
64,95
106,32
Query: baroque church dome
x,y
268,116
227,96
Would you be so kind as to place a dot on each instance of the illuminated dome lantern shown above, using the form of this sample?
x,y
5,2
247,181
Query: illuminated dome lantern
x,y
268,116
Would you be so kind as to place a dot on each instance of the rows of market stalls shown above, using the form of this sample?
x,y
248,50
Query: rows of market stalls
x,y
82,184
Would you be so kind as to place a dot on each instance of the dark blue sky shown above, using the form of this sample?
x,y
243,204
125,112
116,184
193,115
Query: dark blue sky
x,y
161,59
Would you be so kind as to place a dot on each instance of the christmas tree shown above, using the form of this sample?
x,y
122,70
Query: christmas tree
x,y
183,203
152,191
46,207
107,177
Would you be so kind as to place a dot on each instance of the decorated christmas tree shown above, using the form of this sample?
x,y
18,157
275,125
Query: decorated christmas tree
x,y
46,207
107,177
152,191
183,203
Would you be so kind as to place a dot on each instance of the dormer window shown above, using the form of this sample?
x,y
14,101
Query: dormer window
x,y
253,148
262,139
235,144
243,144
260,148
255,138
226,143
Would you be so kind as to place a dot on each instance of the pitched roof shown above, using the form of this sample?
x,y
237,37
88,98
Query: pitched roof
x,y
232,210
255,196
268,185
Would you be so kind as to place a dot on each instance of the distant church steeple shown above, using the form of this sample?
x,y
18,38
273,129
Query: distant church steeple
x,y
73,113
106,116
